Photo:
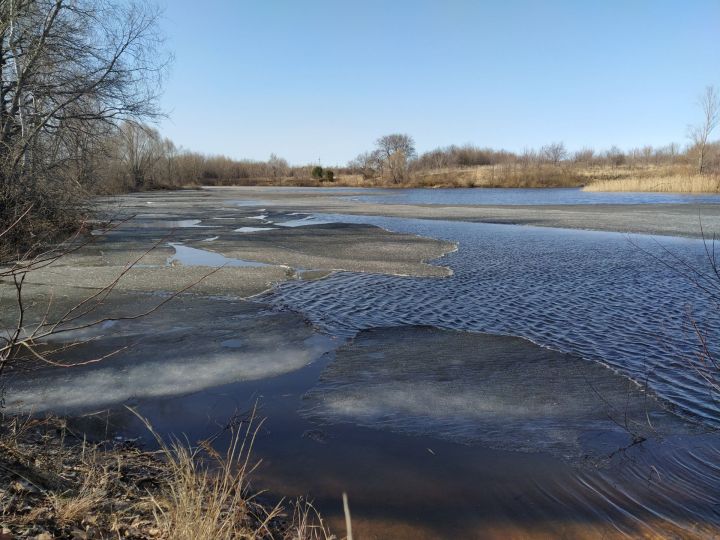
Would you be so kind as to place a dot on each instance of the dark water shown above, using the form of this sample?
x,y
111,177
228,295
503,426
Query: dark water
x,y
418,487
602,296
505,196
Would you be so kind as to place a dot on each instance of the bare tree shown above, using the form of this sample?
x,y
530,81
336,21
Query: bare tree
x,y
615,156
278,166
368,164
647,154
585,156
554,152
68,69
396,150
709,102
139,150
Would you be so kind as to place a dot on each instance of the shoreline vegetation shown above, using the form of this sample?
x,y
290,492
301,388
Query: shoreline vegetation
x,y
141,159
593,179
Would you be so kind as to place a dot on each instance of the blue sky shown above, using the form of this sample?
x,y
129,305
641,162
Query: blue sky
x,y
321,80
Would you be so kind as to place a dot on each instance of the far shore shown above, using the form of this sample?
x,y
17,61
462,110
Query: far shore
x,y
656,179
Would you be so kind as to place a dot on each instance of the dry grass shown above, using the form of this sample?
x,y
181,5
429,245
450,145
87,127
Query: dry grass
x,y
73,506
211,501
68,489
517,176
488,176
504,176
677,179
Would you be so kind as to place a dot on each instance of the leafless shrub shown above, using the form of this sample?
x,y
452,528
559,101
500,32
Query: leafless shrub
x,y
554,153
699,134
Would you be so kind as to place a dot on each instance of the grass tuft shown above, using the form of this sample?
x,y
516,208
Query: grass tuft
x,y
54,485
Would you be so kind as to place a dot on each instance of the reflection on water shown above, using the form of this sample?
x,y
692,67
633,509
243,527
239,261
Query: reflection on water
x,y
596,295
413,487
531,196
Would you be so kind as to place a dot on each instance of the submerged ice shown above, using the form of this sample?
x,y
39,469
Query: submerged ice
x,y
189,345
497,391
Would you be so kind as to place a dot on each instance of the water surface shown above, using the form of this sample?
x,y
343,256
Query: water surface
x,y
530,196
602,296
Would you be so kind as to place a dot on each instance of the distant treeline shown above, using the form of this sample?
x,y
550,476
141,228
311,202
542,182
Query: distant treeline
x,y
137,157
556,153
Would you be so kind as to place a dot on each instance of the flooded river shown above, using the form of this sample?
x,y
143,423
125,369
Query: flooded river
x,y
531,382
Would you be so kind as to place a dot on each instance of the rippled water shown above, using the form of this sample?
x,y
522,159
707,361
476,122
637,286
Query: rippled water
x,y
602,296
514,196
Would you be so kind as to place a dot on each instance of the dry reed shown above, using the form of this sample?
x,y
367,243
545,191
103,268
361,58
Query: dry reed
x,y
677,183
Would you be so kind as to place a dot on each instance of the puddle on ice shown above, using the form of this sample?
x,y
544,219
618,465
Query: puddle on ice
x,y
157,221
190,256
254,229
261,217
211,239
303,222
180,224
248,202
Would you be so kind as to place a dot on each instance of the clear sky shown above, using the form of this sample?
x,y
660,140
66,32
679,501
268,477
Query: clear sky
x,y
321,80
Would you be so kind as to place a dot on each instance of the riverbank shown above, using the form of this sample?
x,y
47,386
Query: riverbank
x,y
638,178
